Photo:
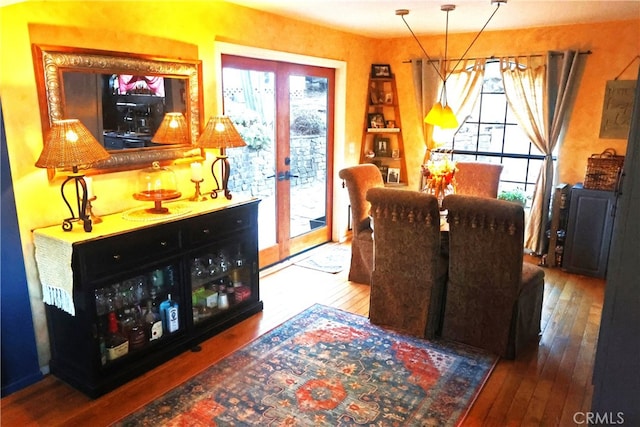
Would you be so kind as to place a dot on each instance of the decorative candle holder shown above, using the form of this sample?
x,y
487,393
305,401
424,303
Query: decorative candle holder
x,y
198,197
94,218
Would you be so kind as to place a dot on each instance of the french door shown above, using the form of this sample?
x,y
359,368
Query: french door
x,y
284,112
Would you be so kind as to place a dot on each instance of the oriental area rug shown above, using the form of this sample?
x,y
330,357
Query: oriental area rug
x,y
327,367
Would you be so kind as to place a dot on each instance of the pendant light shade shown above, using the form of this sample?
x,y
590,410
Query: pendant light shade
x,y
443,117
435,114
448,119
441,114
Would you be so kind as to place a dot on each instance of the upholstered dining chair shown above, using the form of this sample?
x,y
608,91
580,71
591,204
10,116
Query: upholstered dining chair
x,y
478,179
409,273
493,298
358,179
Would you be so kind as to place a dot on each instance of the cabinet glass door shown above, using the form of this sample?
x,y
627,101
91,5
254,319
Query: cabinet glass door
x,y
221,278
135,313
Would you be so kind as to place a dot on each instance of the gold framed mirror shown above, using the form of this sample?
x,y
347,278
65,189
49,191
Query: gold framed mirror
x,y
111,93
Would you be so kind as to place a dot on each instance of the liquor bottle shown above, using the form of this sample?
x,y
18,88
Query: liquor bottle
x,y
169,315
153,322
126,321
238,265
137,333
116,344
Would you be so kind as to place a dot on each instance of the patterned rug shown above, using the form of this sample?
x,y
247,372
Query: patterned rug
x,y
326,367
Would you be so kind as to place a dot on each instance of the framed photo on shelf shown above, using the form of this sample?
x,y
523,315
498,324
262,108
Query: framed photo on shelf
x,y
376,120
380,71
391,124
384,170
376,96
388,98
382,147
393,176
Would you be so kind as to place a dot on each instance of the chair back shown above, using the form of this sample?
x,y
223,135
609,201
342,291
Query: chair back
x,y
409,274
478,179
358,179
486,244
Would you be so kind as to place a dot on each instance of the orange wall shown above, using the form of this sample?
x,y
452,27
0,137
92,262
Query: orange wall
x,y
170,29
190,29
613,46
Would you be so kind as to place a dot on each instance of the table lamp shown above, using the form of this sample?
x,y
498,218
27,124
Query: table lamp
x,y
172,130
69,144
222,134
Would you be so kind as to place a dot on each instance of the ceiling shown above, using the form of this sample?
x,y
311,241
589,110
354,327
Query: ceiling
x,y
377,18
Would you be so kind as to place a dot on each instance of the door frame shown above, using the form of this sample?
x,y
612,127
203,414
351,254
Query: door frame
x,y
340,198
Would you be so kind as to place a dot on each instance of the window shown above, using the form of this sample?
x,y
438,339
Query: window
x,y
491,134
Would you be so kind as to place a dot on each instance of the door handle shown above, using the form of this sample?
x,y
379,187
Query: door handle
x,y
284,176
288,175
281,176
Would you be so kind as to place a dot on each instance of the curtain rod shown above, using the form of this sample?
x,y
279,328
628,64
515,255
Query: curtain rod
x,y
535,55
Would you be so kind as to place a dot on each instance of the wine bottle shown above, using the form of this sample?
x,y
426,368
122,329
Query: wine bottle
x,y
116,344
169,315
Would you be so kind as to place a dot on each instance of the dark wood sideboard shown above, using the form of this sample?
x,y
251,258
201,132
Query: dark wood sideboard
x,y
207,260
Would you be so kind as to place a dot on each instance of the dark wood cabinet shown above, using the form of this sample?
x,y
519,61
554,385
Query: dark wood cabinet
x,y
205,262
589,231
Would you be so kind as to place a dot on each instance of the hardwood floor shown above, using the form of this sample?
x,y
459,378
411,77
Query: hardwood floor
x,y
546,386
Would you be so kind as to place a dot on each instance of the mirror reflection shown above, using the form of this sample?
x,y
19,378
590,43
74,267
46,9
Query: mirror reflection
x,y
122,111
121,98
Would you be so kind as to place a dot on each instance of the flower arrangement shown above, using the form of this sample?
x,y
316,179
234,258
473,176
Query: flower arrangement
x,y
440,177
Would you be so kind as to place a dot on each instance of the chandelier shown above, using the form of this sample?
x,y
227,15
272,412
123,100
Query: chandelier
x,y
441,114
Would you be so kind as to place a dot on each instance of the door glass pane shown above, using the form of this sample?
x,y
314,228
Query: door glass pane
x,y
249,100
308,152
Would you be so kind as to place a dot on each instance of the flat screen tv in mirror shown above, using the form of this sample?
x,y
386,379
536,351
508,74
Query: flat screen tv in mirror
x,y
121,98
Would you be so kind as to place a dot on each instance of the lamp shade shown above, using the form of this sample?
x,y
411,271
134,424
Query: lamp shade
x,y
442,117
220,133
434,115
448,119
173,130
70,144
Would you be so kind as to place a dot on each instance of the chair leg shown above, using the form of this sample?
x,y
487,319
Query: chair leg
x,y
360,269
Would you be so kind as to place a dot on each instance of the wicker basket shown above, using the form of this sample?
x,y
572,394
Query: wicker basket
x,y
603,170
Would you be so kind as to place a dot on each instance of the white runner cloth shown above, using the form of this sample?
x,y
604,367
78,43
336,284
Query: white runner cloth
x,y
56,275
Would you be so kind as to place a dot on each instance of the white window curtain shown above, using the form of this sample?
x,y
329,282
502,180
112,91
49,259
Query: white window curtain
x,y
540,95
463,89
426,83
